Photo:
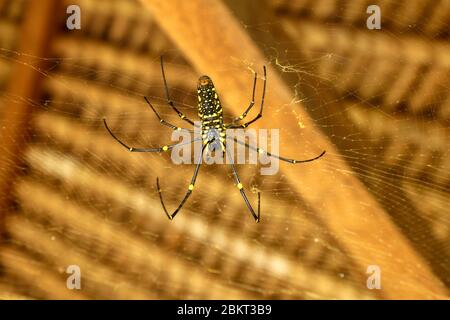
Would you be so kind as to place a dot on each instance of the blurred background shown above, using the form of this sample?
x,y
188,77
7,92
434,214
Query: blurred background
x,y
377,100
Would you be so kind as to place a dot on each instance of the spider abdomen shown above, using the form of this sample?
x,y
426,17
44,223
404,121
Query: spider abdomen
x,y
211,113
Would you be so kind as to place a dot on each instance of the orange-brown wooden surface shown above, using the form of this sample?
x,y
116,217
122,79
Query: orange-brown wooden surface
x,y
22,87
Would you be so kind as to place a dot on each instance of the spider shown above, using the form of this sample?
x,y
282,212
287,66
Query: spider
x,y
213,135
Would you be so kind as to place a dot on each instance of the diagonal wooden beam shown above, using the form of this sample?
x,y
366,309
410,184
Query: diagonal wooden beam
x,y
215,42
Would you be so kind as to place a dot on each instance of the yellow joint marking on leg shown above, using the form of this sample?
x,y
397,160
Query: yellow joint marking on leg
x,y
182,116
161,120
261,151
191,187
294,161
241,117
239,186
165,148
205,141
178,128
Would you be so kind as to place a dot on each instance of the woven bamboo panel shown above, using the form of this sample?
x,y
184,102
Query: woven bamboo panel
x,y
12,10
10,17
403,73
415,155
412,143
10,14
82,199
393,85
429,17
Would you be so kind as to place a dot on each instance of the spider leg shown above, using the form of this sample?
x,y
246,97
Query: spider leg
x,y
252,103
161,149
162,121
241,189
259,115
169,101
188,193
293,161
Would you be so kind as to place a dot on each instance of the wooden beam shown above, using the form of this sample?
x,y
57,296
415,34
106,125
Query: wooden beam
x,y
22,88
215,43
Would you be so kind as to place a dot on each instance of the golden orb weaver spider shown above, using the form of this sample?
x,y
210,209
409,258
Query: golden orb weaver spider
x,y
213,131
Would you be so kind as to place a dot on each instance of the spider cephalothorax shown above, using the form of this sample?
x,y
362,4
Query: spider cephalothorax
x,y
213,134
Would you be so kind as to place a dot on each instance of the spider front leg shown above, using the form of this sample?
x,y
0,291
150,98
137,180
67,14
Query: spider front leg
x,y
259,115
164,122
169,101
261,151
160,149
252,103
188,193
241,190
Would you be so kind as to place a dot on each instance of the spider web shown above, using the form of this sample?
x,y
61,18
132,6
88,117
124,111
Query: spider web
x,y
91,197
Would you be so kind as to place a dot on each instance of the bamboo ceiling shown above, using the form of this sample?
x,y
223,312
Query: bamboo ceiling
x,y
72,196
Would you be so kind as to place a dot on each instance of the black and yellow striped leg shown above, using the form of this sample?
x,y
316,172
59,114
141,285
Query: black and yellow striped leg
x,y
259,115
241,190
188,193
169,101
252,102
164,122
293,161
160,149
